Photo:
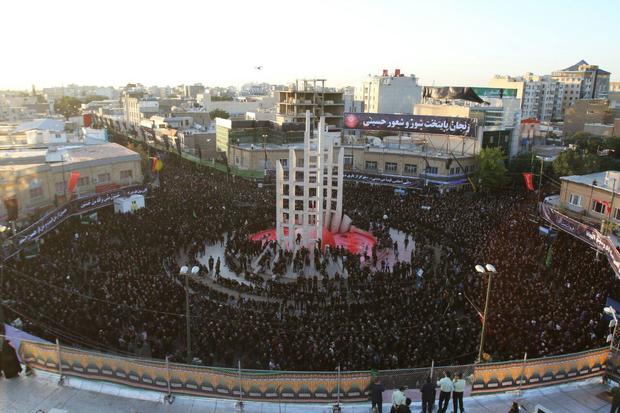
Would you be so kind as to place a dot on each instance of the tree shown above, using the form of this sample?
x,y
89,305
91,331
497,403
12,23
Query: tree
x,y
219,113
586,142
94,98
523,162
570,162
490,168
68,106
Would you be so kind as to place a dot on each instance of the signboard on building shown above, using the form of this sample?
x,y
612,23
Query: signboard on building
x,y
495,92
443,125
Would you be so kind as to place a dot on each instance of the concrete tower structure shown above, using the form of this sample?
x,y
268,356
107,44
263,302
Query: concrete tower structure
x,y
309,193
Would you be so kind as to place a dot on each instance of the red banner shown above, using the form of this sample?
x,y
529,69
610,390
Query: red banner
x,y
529,183
73,180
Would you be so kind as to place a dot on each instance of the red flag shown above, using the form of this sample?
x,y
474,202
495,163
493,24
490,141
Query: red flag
x,y
529,183
75,175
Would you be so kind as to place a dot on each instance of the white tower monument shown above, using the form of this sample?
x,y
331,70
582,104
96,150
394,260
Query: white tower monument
x,y
309,193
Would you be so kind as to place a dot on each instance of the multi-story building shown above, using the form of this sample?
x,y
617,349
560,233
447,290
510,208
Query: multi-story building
x,y
387,93
36,179
310,94
499,118
137,105
588,111
546,97
582,81
541,96
192,91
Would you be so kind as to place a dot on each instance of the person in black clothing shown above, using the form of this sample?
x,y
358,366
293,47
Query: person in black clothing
x,y
376,395
9,361
428,396
405,408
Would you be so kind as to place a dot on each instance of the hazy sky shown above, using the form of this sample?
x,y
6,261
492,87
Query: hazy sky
x,y
449,42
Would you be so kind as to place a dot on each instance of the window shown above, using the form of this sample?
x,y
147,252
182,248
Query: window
x,y
431,170
127,174
371,165
575,200
617,214
390,166
284,162
348,160
36,192
85,181
103,178
411,169
598,207
60,187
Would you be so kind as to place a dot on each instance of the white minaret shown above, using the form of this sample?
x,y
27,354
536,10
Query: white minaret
x,y
309,195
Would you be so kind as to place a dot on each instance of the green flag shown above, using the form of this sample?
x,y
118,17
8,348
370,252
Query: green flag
x,y
549,256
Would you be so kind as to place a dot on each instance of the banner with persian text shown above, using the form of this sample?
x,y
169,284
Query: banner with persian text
x,y
443,125
585,233
17,242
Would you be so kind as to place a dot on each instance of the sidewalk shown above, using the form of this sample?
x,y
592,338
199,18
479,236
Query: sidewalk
x,y
41,392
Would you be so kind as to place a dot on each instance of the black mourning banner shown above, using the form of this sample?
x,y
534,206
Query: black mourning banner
x,y
443,125
451,92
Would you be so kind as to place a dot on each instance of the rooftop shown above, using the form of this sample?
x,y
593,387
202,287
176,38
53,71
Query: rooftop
x,y
16,159
603,179
575,68
41,124
41,392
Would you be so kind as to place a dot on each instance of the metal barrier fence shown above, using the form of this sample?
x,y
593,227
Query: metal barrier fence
x,y
306,386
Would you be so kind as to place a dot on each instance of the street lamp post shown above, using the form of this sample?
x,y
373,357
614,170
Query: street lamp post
x,y
490,270
3,228
185,271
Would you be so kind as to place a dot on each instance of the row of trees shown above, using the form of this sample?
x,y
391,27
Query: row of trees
x,y
586,154
69,106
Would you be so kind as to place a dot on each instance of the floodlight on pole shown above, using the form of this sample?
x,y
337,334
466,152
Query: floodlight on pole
x,y
490,269
184,270
613,324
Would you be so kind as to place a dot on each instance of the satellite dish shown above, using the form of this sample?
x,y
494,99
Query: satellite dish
x,y
184,269
195,270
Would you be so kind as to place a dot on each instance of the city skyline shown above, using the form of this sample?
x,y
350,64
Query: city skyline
x,y
443,43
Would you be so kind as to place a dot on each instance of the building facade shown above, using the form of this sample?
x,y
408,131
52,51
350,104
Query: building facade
x,y
37,179
592,198
541,96
582,81
429,163
546,97
310,95
395,93
588,111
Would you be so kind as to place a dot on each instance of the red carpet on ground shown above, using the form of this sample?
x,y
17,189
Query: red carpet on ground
x,y
355,241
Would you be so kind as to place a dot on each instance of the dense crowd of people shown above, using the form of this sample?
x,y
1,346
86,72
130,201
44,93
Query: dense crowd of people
x,y
114,285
